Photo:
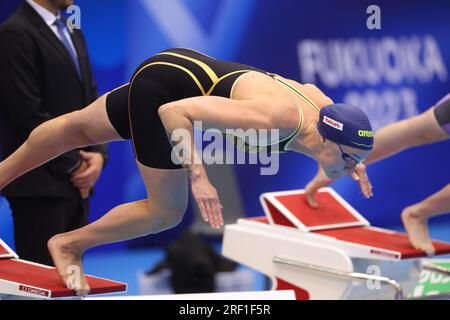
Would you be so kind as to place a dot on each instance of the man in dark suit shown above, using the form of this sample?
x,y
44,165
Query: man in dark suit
x,y
44,73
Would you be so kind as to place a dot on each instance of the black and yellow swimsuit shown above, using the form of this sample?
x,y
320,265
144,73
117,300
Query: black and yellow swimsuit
x,y
169,76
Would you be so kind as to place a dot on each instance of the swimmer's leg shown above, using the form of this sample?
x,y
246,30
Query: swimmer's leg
x,y
167,201
89,126
415,218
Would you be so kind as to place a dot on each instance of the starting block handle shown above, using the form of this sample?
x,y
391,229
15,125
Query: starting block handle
x,y
437,268
338,273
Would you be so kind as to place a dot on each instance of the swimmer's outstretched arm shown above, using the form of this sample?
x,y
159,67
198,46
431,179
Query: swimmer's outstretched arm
x,y
213,112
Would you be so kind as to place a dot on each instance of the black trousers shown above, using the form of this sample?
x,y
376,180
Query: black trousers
x,y
36,220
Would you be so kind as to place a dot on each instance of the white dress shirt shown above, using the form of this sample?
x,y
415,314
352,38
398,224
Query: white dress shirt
x,y
50,19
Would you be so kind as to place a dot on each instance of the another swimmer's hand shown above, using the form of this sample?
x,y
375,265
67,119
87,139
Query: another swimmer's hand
x,y
320,180
207,198
360,175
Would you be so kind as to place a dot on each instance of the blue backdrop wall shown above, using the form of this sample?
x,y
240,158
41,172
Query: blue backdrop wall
x,y
392,73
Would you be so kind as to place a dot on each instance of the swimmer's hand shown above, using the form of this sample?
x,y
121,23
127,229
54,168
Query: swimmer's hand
x,y
360,175
207,199
321,180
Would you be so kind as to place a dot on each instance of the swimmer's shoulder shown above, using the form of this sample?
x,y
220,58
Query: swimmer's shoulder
x,y
319,98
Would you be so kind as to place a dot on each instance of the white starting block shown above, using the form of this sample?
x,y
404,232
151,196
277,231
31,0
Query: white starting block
x,y
330,252
245,295
20,279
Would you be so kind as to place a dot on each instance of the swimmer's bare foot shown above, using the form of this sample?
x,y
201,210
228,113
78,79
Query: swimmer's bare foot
x,y
417,228
67,260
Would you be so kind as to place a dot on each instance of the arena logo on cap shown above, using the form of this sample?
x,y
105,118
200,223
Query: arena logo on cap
x,y
333,123
365,133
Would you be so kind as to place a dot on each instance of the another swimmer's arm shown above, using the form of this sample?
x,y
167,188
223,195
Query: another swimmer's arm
x,y
405,134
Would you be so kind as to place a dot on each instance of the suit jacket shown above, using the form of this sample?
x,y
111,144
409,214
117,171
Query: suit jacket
x,y
38,82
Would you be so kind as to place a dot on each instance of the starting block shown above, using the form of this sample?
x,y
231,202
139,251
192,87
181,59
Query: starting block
x,y
329,252
20,279
6,252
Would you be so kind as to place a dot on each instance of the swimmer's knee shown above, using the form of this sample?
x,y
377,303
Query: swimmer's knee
x,y
166,221
168,218
174,214
174,218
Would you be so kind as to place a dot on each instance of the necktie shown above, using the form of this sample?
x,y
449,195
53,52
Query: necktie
x,y
61,28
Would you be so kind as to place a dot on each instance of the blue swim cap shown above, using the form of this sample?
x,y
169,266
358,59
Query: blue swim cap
x,y
346,124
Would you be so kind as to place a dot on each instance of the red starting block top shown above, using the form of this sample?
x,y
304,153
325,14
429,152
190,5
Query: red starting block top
x,y
384,239
5,251
18,277
335,218
388,242
289,208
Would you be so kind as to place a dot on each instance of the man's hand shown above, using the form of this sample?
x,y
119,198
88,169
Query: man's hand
x,y
87,175
83,167
208,200
84,193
